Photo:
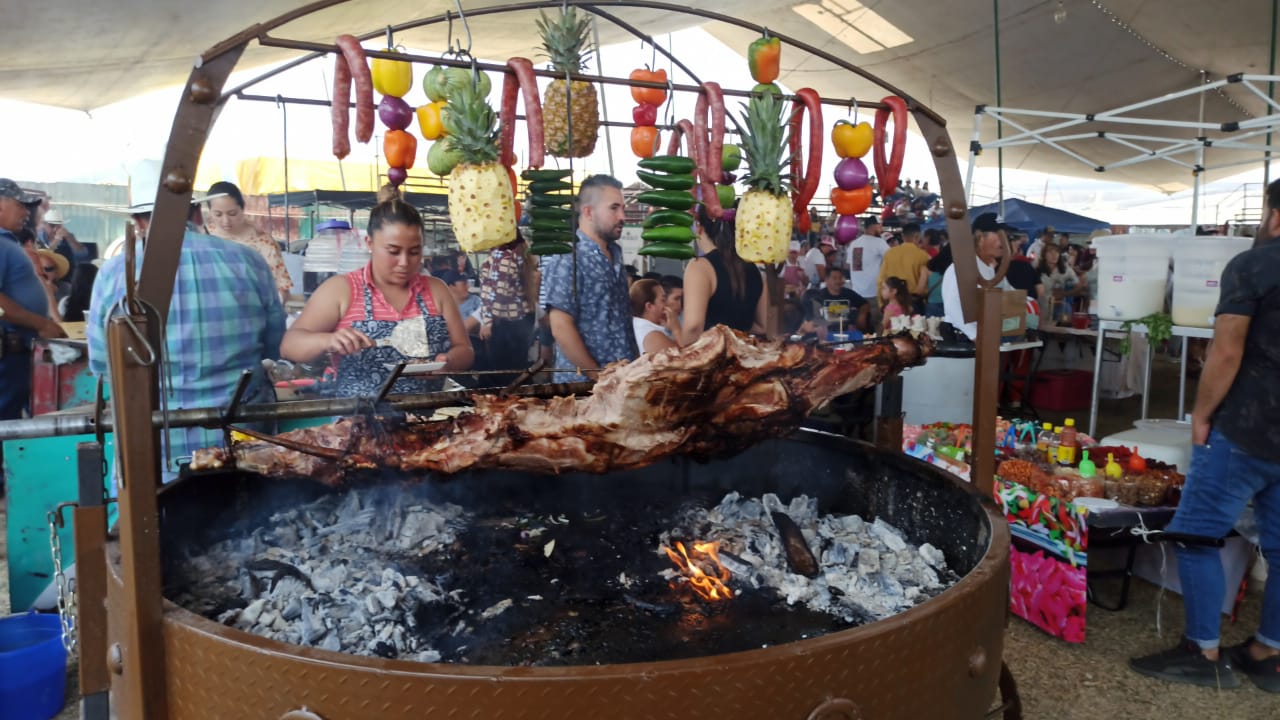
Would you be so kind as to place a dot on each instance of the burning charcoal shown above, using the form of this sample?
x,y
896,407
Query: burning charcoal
x,y
496,610
799,557
838,554
888,535
268,617
933,556
662,610
387,598
429,656
292,610
229,617
868,562
372,605
249,617
332,643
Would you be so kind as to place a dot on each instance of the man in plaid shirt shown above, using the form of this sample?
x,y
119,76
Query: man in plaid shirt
x,y
506,317
225,318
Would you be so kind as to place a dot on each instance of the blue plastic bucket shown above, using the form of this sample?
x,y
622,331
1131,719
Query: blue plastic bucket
x,y
33,667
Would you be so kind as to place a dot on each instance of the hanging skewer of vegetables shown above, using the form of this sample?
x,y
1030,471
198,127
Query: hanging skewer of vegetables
x,y
852,194
645,136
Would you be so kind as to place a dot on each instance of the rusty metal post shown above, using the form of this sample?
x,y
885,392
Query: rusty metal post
x,y
91,583
986,388
140,689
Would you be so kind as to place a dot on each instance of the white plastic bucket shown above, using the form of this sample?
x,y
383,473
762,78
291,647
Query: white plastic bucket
x,y
1198,263
1133,275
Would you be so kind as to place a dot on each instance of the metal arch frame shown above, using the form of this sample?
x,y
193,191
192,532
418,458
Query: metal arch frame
x,y
137,656
1149,147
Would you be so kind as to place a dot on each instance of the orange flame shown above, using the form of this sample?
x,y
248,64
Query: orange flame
x,y
708,583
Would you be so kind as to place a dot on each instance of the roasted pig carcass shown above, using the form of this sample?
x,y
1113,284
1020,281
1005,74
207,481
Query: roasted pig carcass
x,y
714,398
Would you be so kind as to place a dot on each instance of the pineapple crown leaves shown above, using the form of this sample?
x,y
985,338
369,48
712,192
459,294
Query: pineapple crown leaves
x,y
764,143
565,40
472,126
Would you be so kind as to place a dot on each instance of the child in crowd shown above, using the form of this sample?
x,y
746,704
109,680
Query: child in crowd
x,y
895,300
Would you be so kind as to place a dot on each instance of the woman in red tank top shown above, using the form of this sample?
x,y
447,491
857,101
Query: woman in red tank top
x,y
353,316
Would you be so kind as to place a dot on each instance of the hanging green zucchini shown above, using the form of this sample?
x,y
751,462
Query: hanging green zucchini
x,y
666,217
675,251
668,164
682,181
668,233
673,199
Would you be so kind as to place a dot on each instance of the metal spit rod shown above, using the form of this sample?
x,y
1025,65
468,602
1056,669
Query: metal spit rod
x,y
85,424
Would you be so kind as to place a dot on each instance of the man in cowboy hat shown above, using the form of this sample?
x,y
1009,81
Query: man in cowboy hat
x,y
24,307
55,234
225,317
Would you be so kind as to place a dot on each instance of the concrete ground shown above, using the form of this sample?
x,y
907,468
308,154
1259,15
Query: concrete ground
x,y
1071,682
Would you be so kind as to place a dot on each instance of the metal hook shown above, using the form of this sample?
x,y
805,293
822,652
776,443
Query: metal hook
x,y
138,336
465,25
671,103
390,39
854,109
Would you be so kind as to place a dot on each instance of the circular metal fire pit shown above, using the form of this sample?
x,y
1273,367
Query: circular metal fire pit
x,y
940,659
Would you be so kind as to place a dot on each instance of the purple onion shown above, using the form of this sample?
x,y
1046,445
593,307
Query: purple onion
x,y
847,228
728,178
729,214
396,176
395,113
851,174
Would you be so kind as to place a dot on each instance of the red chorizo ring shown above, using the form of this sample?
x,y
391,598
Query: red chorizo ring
x,y
339,110
887,171
715,150
359,68
813,105
683,128
520,77
706,182
794,136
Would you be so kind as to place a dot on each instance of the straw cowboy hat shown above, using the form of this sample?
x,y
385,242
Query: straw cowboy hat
x,y
61,263
53,217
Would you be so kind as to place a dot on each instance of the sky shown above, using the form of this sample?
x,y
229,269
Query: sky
x,y
125,141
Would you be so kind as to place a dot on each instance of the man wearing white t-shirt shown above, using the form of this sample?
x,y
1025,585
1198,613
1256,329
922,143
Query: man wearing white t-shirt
x,y
864,257
987,245
815,263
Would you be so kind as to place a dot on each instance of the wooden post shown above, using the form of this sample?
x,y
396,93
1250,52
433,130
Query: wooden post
x,y
986,388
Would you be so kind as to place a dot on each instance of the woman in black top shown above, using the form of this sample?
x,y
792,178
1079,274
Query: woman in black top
x,y
720,288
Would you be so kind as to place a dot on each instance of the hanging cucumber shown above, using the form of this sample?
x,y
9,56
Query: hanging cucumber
x,y
674,199
552,200
557,224
553,213
668,233
675,251
548,236
549,186
549,248
668,163
664,217
538,175
666,182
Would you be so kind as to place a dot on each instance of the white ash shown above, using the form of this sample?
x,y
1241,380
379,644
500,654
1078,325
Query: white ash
x,y
325,574
866,570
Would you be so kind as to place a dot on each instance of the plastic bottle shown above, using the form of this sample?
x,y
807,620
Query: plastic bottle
x,y
1051,454
1068,444
1089,485
1113,469
1088,468
1043,439
1137,464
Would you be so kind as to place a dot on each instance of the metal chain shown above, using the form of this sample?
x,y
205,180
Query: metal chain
x,y
67,607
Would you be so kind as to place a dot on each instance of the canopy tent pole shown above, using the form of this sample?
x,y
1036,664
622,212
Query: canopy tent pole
x,y
995,10
975,144
1271,90
1199,169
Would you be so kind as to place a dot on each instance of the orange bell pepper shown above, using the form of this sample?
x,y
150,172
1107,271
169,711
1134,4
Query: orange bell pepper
x,y
647,95
851,202
764,57
399,148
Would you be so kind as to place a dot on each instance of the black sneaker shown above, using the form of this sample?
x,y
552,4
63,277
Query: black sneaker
x,y
1186,664
1264,673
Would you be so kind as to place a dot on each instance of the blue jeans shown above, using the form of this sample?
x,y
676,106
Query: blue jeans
x,y
1222,480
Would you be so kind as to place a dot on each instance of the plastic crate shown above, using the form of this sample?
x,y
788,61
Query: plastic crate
x,y
1062,390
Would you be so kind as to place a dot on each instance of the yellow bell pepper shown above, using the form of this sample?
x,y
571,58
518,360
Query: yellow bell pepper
x,y
392,77
429,120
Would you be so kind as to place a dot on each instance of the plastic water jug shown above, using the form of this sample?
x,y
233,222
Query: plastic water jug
x,y
336,248
1198,262
1133,274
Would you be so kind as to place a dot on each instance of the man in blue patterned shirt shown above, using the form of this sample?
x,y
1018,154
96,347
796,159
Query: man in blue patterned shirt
x,y
225,318
592,326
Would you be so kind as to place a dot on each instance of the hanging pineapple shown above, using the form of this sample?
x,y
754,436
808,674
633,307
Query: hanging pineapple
x,y
763,222
481,206
565,43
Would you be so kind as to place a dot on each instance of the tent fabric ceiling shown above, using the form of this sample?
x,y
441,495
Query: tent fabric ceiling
x,y
1105,54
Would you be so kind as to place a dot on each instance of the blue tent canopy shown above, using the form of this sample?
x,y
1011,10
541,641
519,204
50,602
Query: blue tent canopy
x,y
1031,218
